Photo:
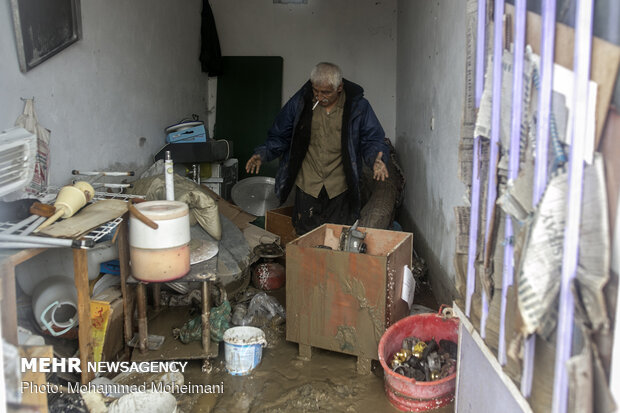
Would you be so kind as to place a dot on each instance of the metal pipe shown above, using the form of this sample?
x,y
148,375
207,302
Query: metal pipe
x,y
20,224
128,173
475,178
495,129
542,142
32,226
36,240
513,166
48,241
22,245
582,56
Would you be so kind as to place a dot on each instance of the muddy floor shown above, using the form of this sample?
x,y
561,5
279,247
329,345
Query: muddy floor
x,y
284,383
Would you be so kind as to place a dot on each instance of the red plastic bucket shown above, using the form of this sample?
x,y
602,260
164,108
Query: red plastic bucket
x,y
410,395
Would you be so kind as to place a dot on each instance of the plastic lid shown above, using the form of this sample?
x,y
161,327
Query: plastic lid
x,y
162,210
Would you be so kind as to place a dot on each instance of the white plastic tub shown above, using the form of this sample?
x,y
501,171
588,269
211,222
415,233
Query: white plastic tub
x,y
243,349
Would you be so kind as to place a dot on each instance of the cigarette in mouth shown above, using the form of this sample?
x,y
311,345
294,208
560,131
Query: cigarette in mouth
x,y
315,103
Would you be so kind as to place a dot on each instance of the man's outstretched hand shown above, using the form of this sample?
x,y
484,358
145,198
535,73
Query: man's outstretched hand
x,y
380,172
253,165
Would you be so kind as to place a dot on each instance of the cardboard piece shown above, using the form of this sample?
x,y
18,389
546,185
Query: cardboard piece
x,y
114,340
255,236
99,316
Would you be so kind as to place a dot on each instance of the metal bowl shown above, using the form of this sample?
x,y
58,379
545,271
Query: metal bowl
x,y
255,195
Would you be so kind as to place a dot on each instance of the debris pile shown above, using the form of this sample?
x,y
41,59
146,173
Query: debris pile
x,y
425,360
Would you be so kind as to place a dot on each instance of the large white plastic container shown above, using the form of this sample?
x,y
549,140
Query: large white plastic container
x,y
162,254
54,303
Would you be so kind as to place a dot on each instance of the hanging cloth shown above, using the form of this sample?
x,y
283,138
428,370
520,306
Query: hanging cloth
x,y
28,120
210,53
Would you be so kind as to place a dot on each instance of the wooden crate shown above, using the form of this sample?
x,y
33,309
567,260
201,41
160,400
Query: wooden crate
x,y
343,301
278,221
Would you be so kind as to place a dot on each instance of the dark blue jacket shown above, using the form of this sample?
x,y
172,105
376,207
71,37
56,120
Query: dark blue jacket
x,y
289,136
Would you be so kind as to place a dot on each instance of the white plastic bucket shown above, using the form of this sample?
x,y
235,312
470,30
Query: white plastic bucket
x,y
243,349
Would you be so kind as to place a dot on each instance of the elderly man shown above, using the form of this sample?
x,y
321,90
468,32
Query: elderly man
x,y
322,134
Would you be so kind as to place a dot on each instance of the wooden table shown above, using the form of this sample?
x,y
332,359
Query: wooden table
x,y
9,259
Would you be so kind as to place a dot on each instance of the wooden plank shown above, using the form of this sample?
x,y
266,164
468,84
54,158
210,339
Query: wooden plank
x,y
80,274
610,148
605,61
38,380
87,219
123,257
9,304
396,307
280,222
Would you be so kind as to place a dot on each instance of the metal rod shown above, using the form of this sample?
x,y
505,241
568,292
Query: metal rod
x,y
475,178
513,166
582,56
37,240
13,228
32,226
111,185
495,129
128,173
206,311
542,143
21,245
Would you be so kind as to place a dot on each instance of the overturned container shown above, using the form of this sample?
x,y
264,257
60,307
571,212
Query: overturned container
x,y
162,254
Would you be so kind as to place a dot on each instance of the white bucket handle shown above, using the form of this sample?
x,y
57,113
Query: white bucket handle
x,y
49,326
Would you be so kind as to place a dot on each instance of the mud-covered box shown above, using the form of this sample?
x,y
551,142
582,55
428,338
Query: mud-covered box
x,y
344,301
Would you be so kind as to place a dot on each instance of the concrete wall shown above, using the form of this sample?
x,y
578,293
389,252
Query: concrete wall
x,y
358,35
430,75
135,71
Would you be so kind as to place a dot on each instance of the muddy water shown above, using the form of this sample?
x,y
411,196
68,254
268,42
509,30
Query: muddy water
x,y
283,383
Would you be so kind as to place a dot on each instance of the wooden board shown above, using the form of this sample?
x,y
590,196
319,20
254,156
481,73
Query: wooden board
x,y
31,398
605,61
280,222
88,218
